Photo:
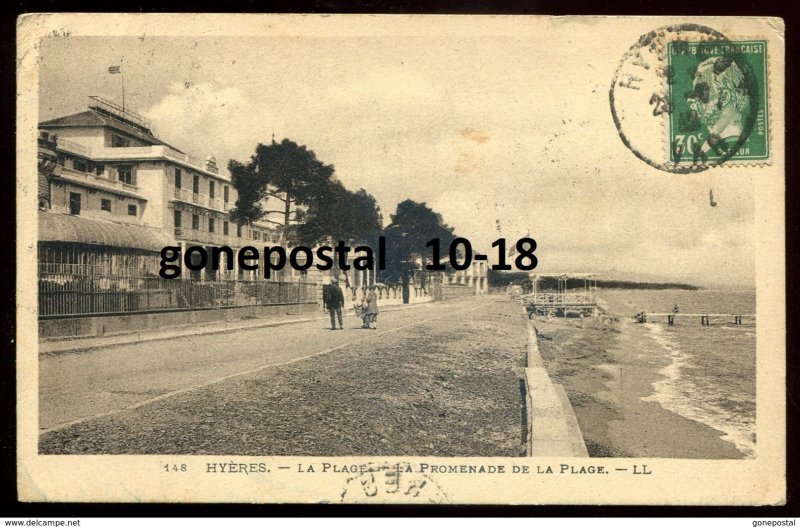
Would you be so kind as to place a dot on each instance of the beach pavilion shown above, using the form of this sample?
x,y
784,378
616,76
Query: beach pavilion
x,y
573,294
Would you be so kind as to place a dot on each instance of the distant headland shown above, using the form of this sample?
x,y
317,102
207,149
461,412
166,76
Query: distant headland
x,y
624,284
504,278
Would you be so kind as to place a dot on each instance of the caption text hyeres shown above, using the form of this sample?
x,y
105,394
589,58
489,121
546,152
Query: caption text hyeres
x,y
233,467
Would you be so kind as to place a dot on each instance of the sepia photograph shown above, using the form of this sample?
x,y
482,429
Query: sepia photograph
x,y
401,259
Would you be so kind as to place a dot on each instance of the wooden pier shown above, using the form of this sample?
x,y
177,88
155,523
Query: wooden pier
x,y
705,318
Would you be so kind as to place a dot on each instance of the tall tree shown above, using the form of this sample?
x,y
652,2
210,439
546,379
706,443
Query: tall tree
x,y
413,226
341,215
285,171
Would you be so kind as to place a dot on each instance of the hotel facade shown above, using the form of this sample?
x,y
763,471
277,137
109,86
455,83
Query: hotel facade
x,y
112,194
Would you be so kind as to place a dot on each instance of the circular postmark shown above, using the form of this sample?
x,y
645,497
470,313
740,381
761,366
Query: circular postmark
x,y
391,483
685,98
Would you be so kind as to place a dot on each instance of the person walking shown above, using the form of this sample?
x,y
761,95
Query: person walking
x,y
372,308
360,306
333,299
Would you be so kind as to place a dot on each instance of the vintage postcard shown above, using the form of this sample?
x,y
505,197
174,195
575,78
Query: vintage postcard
x,y
400,259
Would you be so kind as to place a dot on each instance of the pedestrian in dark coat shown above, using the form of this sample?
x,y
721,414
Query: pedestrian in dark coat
x,y
333,299
372,307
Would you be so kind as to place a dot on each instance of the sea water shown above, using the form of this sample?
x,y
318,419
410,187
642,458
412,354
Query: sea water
x,y
711,374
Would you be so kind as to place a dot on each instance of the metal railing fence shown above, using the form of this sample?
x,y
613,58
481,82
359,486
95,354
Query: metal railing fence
x,y
65,294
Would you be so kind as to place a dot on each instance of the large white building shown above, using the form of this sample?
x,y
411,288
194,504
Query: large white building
x,y
111,167
112,195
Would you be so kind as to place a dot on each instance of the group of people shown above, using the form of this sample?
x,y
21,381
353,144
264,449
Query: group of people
x,y
366,307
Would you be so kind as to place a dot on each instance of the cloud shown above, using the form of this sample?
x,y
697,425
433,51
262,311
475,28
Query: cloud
x,y
207,118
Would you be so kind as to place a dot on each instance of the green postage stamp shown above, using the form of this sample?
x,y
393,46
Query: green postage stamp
x,y
717,93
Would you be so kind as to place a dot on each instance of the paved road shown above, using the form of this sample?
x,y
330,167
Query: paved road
x,y
79,387
437,380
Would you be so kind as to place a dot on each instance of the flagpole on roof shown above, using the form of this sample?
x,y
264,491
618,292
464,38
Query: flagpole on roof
x,y
113,70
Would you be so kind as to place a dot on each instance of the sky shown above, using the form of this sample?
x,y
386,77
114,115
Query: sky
x,y
504,134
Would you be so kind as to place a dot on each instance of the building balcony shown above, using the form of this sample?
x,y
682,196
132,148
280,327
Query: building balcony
x,y
72,146
198,237
202,200
136,153
100,182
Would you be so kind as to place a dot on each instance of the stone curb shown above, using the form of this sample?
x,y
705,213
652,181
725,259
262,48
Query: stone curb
x,y
553,429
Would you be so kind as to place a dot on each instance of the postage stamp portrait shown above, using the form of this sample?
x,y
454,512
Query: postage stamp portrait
x,y
717,93
688,97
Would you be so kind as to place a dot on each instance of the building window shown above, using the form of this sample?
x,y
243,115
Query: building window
x,y
177,215
257,235
195,222
105,204
125,173
132,210
210,224
178,178
211,189
117,141
99,169
226,193
225,228
238,231
196,184
74,203
80,165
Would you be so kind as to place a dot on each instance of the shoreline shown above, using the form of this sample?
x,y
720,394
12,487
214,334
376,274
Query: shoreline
x,y
609,371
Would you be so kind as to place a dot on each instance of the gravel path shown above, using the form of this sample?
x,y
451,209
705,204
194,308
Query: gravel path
x,y
443,387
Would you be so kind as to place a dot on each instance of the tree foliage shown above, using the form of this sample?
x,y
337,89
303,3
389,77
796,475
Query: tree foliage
x,y
341,214
314,205
285,171
413,225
